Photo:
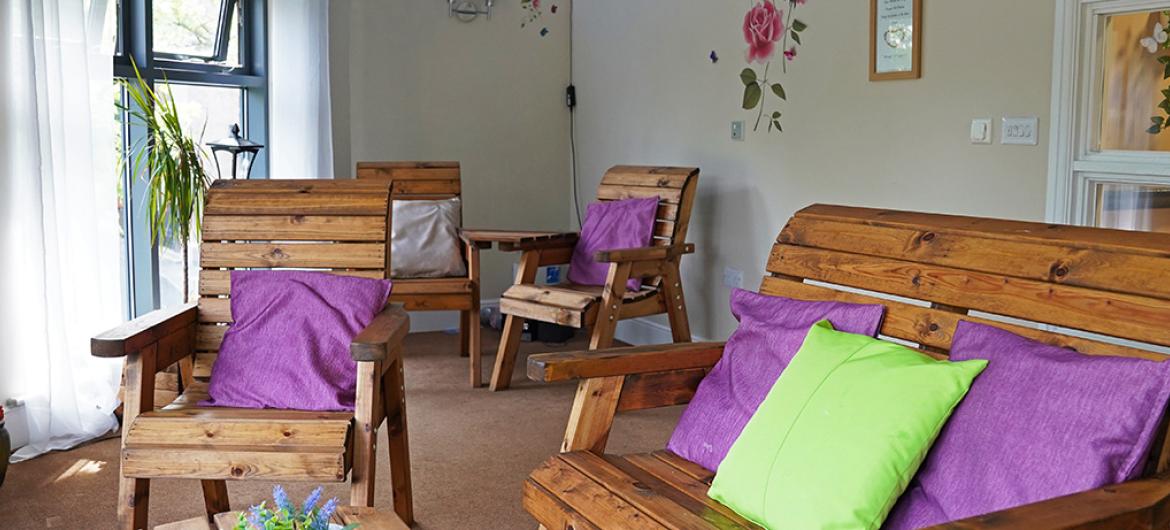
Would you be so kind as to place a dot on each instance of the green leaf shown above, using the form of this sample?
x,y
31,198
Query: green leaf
x,y
795,37
797,25
1158,120
1166,73
1154,129
776,115
779,91
748,76
1164,59
1165,105
1166,93
776,123
751,96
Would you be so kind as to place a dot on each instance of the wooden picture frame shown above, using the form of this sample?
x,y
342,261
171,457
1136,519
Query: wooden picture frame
x,y
881,69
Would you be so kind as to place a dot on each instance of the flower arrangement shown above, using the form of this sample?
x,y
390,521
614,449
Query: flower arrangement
x,y
765,26
1158,41
284,515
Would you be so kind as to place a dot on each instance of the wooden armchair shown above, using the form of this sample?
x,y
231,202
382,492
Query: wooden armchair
x,y
597,307
435,181
339,226
1101,281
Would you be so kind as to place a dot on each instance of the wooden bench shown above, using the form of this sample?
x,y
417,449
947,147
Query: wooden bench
x,y
335,226
435,181
1105,282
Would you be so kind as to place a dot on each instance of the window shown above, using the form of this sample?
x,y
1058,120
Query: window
x,y
211,53
1108,167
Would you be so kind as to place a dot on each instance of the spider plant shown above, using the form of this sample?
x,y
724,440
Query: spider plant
x,y
171,161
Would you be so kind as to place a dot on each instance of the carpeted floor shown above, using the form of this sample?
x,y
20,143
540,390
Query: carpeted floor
x,y
471,450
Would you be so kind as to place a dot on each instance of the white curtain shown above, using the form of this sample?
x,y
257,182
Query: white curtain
x,y
299,117
59,235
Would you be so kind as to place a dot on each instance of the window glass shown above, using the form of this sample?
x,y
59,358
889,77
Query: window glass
x,y
1132,81
206,113
190,30
1133,206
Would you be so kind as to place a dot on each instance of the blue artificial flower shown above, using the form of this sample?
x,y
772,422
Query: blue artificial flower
x,y
322,521
311,500
281,499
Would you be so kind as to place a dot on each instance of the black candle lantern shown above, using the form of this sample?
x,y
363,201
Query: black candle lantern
x,y
237,146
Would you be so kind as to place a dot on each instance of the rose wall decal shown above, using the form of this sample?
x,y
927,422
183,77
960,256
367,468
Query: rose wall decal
x,y
1158,41
766,28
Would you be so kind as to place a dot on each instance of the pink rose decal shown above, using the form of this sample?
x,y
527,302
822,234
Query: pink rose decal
x,y
762,27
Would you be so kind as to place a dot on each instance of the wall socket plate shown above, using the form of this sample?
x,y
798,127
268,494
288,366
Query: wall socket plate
x,y
737,130
1023,130
732,278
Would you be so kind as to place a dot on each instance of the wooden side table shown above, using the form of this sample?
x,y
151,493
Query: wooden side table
x,y
367,518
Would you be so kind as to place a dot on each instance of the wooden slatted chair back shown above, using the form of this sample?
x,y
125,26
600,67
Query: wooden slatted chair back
x,y
338,226
674,186
415,180
1090,286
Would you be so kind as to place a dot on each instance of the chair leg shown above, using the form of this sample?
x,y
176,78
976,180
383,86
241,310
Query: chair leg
x,y
394,393
506,355
464,334
609,312
215,497
133,503
369,388
475,348
676,305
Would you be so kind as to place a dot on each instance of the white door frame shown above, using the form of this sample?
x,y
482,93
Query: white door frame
x,y
1074,165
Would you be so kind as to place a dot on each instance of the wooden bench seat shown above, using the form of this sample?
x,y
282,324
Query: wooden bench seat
x,y
651,490
571,304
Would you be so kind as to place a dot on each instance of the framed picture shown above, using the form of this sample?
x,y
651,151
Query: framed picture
x,y
895,39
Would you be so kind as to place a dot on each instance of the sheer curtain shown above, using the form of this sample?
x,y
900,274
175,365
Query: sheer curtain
x,y
59,230
300,120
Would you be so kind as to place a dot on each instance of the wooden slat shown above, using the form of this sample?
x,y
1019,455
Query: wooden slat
x,y
1149,243
218,282
692,469
215,310
683,483
588,498
213,427
549,511
433,302
1127,316
208,337
656,177
661,389
564,366
259,203
432,285
546,313
310,187
935,328
1057,261
643,496
552,296
609,192
424,187
293,228
203,364
298,255
139,333
233,462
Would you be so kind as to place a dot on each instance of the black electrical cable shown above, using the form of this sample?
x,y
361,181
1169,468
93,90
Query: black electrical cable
x,y
573,124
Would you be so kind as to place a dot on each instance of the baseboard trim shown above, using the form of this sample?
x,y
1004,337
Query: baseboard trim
x,y
643,331
424,321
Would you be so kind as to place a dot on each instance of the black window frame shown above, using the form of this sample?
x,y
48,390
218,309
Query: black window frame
x,y
134,47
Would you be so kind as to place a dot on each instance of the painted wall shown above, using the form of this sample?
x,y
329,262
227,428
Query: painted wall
x,y
409,83
649,94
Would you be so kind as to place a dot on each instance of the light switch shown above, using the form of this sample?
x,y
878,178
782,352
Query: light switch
x,y
981,131
1020,131
737,130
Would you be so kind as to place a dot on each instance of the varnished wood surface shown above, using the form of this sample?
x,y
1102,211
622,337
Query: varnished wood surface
x,y
366,518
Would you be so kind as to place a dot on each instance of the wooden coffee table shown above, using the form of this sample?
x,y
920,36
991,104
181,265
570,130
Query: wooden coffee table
x,y
367,518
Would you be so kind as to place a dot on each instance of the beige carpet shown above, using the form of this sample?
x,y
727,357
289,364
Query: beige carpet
x,y
471,450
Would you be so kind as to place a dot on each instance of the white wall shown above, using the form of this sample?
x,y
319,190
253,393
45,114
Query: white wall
x,y
409,83
650,95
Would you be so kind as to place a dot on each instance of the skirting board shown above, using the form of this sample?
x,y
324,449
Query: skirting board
x,y
423,321
644,331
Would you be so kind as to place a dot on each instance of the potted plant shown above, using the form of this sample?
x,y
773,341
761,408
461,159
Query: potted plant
x,y
284,515
172,161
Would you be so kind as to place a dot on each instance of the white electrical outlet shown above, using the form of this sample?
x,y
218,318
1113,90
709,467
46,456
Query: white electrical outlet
x,y
733,278
737,130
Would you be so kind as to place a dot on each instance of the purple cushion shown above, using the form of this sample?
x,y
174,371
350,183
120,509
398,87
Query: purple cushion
x,y
611,225
771,329
288,347
1040,422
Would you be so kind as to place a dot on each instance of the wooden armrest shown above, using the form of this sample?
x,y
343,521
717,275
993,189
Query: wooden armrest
x,y
1135,504
518,240
143,331
643,253
378,341
552,367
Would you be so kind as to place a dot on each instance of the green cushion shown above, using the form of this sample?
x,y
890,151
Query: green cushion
x,y
841,432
